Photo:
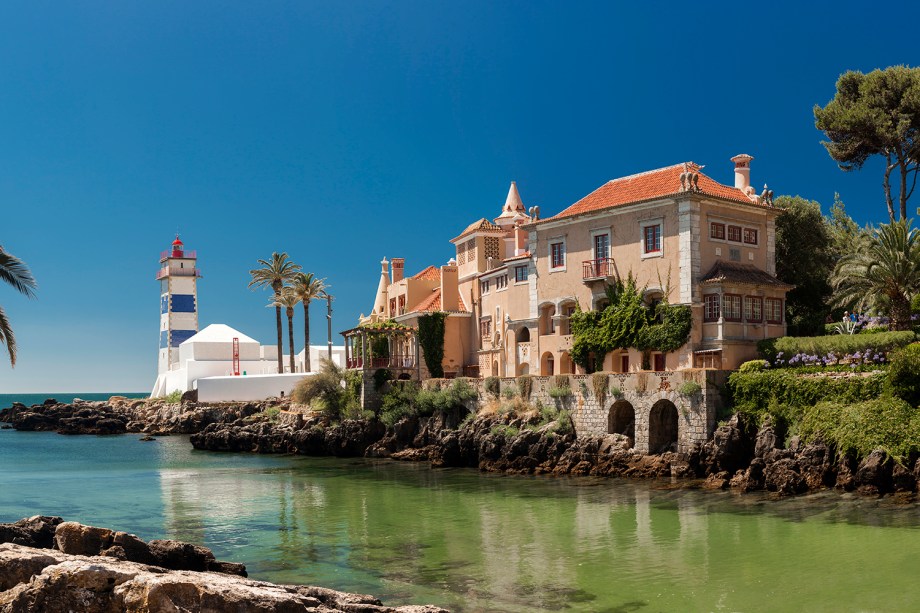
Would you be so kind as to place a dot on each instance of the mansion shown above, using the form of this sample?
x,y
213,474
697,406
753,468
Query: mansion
x,y
515,280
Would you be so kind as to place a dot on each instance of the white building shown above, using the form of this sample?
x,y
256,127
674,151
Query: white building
x,y
220,362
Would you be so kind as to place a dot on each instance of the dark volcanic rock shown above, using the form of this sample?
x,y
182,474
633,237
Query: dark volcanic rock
x,y
37,531
874,473
784,477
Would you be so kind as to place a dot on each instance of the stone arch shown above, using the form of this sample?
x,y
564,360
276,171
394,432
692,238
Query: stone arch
x,y
547,363
546,323
494,368
566,308
622,420
523,369
523,335
662,427
566,366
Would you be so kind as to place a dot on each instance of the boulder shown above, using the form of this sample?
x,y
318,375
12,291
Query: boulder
x,y
36,531
77,539
874,473
784,477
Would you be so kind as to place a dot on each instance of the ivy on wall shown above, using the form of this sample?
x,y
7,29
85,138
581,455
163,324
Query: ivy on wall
x,y
627,322
431,340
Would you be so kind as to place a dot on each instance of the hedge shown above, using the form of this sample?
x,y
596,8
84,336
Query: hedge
x,y
754,392
840,344
886,423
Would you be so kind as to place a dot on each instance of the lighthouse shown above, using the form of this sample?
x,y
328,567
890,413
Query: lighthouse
x,y
178,276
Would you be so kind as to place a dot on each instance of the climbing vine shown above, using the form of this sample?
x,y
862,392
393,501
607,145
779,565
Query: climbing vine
x,y
431,340
625,323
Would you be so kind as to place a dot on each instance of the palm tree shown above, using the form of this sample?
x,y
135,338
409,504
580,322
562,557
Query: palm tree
x,y
308,288
15,272
883,270
274,274
287,299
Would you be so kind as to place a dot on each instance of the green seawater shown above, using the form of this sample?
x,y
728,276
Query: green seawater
x,y
477,542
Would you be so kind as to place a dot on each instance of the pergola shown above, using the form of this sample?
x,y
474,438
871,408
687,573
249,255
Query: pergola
x,y
402,348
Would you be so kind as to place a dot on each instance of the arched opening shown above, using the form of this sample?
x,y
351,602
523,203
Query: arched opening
x,y
495,368
622,420
523,369
523,335
566,309
662,427
566,366
546,365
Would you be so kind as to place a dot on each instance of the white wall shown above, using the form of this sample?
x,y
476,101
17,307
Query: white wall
x,y
217,351
254,387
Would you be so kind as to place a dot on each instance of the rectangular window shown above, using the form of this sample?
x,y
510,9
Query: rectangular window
x,y
652,242
484,286
753,309
520,274
659,362
402,305
734,234
774,311
601,246
557,255
501,282
731,307
750,236
717,230
485,328
711,311
624,362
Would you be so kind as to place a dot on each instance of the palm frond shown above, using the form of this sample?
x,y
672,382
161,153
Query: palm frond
x,y
16,273
6,336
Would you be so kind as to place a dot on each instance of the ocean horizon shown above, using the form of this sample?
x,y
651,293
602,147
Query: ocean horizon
x,y
28,399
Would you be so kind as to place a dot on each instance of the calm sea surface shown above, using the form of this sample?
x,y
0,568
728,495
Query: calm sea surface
x,y
7,400
476,542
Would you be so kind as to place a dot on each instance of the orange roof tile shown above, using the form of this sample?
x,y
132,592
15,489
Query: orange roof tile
x,y
432,304
481,224
649,186
428,274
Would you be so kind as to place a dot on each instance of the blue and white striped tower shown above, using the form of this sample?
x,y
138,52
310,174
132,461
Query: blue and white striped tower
x,y
178,277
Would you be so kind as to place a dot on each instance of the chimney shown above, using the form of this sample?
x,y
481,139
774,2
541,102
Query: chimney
x,y
450,287
398,265
742,171
520,240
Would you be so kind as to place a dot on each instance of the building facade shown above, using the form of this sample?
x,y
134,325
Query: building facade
x,y
683,236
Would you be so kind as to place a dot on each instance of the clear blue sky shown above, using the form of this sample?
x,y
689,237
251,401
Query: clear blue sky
x,y
348,131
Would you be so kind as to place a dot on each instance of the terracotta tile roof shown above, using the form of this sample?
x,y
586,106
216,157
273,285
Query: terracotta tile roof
x,y
482,224
428,274
649,185
523,256
745,274
432,304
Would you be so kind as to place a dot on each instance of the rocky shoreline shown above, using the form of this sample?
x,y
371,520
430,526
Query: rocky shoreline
x,y
47,564
740,456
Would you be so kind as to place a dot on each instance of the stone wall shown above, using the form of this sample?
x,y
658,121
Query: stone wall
x,y
655,399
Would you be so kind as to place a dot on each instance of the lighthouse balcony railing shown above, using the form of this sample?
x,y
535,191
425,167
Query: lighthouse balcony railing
x,y
167,271
178,253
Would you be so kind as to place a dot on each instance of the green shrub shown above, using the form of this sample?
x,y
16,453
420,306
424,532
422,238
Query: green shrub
x,y
752,392
689,388
493,386
559,392
885,423
173,397
840,344
525,386
615,391
508,393
505,430
409,400
271,413
325,392
381,376
754,366
904,374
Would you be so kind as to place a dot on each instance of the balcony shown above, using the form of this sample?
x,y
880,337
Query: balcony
x,y
594,270
394,361
166,271
178,253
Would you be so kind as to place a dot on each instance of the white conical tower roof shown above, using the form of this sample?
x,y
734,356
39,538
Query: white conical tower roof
x,y
513,204
380,303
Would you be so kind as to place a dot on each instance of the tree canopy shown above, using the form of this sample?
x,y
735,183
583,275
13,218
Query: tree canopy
x,y
876,114
805,258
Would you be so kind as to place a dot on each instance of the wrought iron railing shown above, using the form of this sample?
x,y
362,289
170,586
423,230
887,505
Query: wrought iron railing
x,y
178,253
596,269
